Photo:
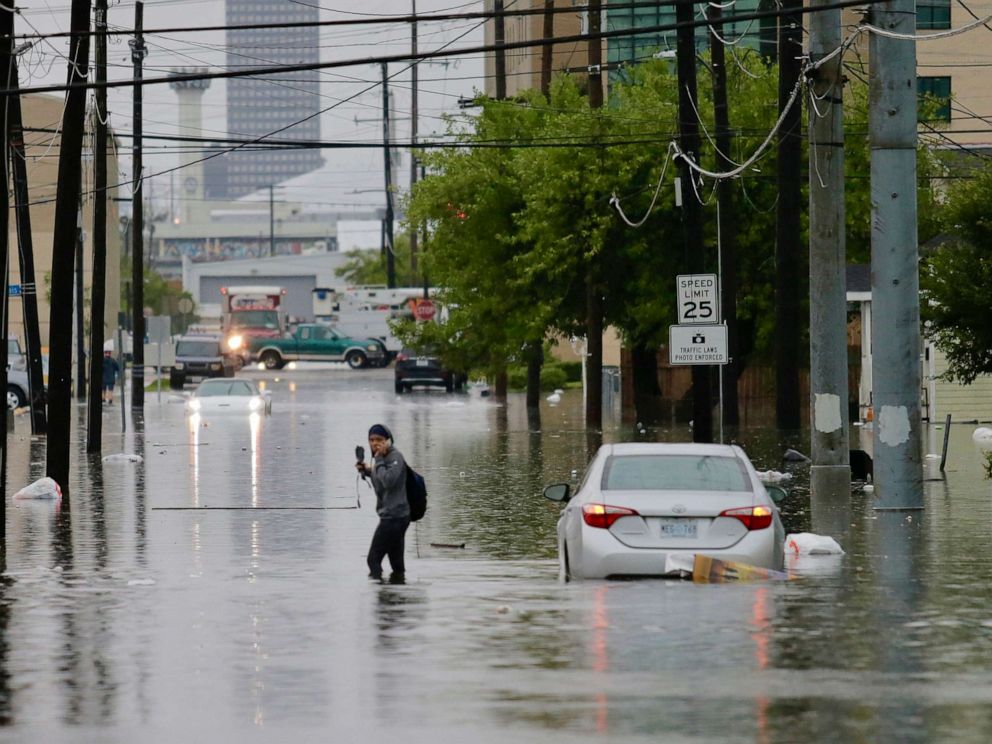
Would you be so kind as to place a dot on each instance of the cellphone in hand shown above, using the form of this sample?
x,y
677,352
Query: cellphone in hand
x,y
360,453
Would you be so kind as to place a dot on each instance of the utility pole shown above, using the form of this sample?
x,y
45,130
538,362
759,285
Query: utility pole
x,y
830,472
594,289
94,429
80,308
138,52
692,216
787,222
25,256
272,222
7,76
414,162
548,32
388,225
727,222
499,54
63,249
895,281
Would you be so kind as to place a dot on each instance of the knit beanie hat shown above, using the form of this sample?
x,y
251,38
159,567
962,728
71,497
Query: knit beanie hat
x,y
381,431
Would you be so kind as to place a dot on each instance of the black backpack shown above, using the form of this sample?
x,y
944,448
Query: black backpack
x,y
416,494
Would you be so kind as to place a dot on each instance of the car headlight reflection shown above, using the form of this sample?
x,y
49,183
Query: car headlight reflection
x,y
194,404
255,403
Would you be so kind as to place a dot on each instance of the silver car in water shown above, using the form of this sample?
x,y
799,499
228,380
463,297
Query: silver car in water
x,y
639,503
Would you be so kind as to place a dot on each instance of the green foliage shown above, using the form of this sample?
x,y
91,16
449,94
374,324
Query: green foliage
x,y
956,277
368,267
572,370
553,377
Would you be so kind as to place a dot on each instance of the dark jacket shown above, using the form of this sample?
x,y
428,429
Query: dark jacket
x,y
389,482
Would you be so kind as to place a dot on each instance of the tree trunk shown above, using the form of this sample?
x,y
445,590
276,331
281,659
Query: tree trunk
x,y
647,391
594,356
501,385
535,360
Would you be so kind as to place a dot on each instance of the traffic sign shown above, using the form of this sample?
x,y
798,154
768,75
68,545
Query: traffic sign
x,y
13,290
697,344
699,298
424,309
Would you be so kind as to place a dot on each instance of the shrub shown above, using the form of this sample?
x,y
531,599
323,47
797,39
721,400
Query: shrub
x,y
517,378
573,371
552,377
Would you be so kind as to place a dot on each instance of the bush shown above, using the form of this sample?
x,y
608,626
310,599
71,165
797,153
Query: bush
x,y
517,378
573,371
553,377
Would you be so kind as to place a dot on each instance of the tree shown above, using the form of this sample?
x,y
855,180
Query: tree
x,y
955,278
368,267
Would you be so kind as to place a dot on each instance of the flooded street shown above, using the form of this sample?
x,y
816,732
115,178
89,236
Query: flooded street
x,y
218,590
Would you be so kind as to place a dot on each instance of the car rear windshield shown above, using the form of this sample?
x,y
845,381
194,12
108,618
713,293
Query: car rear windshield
x,y
674,473
236,387
197,349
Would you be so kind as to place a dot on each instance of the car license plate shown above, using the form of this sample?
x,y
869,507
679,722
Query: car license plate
x,y
678,528
423,362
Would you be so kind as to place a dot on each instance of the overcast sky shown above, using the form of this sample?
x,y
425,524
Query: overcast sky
x,y
441,83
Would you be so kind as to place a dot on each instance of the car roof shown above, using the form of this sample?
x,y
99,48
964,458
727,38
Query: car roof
x,y
201,337
672,448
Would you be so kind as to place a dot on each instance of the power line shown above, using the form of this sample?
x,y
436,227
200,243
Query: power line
x,y
439,53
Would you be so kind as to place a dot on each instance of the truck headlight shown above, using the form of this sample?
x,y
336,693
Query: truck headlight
x,y
178,365
235,342
372,347
215,366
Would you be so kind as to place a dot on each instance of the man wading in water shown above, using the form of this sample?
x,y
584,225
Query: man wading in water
x,y
388,474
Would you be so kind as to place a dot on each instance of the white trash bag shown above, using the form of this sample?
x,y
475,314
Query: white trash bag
x,y
773,476
806,543
123,457
42,489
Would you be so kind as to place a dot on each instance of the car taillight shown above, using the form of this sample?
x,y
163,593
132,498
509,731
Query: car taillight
x,y
401,357
604,515
752,517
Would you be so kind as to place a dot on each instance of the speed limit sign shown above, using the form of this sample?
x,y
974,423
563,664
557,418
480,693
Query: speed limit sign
x,y
699,298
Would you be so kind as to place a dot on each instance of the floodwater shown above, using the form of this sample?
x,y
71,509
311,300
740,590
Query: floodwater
x,y
217,592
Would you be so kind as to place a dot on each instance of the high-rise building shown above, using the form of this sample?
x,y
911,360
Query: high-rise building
x,y
258,106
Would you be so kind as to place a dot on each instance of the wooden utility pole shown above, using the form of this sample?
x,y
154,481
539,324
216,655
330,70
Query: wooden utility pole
x,y
7,76
80,307
25,256
788,247
64,249
138,52
728,220
94,429
594,289
548,32
499,54
692,215
272,221
414,162
388,221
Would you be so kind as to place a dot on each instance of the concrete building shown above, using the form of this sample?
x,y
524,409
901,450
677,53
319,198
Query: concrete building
x,y
259,106
41,113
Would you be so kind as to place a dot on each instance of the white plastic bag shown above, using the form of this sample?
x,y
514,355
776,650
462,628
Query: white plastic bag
x,y
773,476
806,543
44,488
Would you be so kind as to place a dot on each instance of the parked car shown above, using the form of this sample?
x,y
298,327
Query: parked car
x,y
17,388
202,356
314,342
229,396
425,369
638,503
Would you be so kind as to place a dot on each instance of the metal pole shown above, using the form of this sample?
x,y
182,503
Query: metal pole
x,y
64,251
830,473
390,253
719,283
25,255
272,222
947,436
692,225
94,430
894,261
138,52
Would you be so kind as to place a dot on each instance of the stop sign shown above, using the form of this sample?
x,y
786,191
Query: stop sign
x,y
424,309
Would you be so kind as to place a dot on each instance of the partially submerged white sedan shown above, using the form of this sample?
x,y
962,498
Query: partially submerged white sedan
x,y
227,395
639,503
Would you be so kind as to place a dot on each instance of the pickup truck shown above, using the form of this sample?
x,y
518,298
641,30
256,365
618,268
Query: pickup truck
x,y
311,342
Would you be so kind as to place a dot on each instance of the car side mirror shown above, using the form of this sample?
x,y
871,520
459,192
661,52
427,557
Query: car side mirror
x,y
559,492
777,493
